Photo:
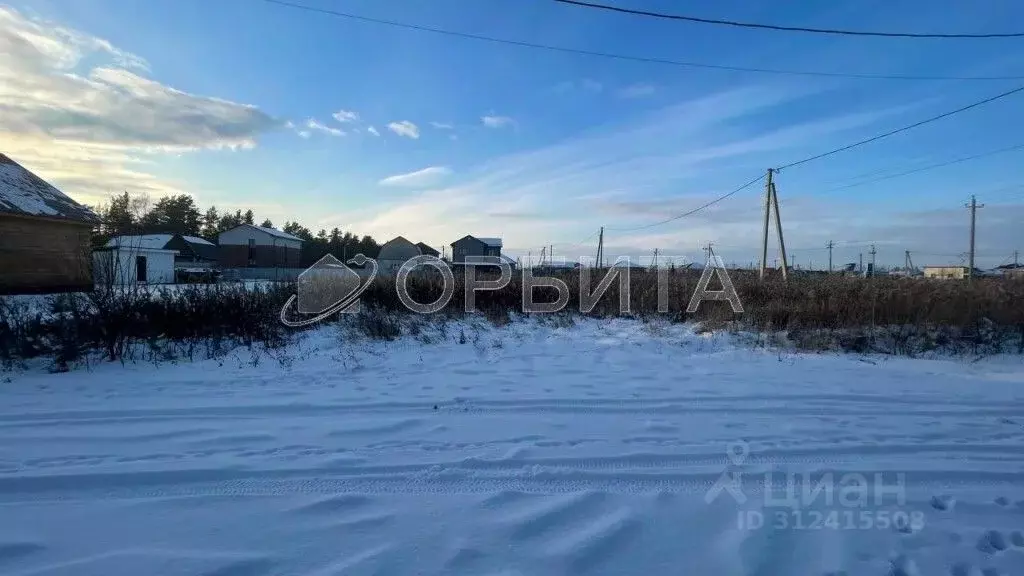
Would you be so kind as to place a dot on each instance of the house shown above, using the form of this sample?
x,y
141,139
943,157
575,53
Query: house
x,y
947,272
192,252
248,246
394,253
427,250
473,246
122,262
1011,271
194,257
44,235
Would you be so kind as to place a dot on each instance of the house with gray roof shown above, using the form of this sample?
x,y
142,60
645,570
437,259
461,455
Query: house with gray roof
x,y
474,246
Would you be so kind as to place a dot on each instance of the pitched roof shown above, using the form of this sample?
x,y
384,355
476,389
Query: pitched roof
x,y
427,249
491,241
275,232
22,192
149,241
198,240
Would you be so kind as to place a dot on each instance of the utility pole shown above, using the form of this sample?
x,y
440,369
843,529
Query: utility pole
x,y
771,202
767,217
974,210
830,245
873,252
654,261
860,266
1015,264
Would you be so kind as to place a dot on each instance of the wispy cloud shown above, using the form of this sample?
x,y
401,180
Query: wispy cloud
x,y
100,129
345,116
313,124
373,131
494,121
676,157
637,91
418,179
442,125
405,128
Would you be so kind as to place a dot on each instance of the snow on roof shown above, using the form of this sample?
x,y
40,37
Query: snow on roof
x,y
491,241
22,192
198,240
276,232
147,241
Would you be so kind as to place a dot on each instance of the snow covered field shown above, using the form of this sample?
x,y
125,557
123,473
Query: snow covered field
x,y
526,450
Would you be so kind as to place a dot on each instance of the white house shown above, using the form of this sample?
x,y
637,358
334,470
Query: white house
x,y
122,264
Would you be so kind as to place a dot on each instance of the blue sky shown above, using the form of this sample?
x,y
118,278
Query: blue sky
x,y
243,103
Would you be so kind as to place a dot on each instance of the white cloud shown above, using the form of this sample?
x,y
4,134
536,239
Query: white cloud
x,y
442,125
637,91
345,116
373,131
405,128
688,154
78,111
419,178
314,125
493,121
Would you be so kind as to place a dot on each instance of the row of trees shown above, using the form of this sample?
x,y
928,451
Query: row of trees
x,y
126,214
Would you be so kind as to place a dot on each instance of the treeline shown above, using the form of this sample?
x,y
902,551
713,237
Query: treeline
x,y
127,214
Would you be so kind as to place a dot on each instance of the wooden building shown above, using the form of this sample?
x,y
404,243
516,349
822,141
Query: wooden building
x,y
44,235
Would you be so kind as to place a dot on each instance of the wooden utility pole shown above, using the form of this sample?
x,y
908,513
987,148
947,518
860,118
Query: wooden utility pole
x,y
771,202
830,245
974,210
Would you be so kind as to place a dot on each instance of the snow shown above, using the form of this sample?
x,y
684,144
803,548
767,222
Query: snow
x,y
278,233
22,192
562,448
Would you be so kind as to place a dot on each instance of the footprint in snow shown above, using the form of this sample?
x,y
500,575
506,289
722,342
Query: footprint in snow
x,y
943,502
992,541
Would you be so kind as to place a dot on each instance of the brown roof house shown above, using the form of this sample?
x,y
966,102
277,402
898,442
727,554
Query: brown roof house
x,y
44,235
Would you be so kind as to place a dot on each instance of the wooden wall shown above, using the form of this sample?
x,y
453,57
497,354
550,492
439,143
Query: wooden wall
x,y
40,255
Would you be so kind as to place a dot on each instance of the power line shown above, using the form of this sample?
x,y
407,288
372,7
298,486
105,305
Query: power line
x,y
925,168
785,28
691,212
623,57
903,129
